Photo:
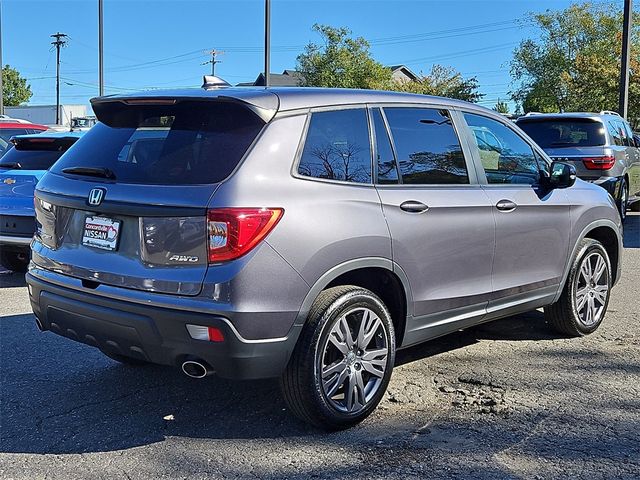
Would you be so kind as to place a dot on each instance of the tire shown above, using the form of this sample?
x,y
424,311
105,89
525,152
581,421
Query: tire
x,y
318,402
623,200
14,261
123,359
567,315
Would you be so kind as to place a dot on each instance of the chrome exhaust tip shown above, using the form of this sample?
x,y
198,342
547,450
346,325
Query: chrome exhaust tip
x,y
40,325
195,369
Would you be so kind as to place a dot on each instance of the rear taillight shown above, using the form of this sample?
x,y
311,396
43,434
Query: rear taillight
x,y
233,232
599,163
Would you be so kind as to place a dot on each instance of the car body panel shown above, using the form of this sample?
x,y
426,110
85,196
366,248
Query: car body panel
x,y
459,263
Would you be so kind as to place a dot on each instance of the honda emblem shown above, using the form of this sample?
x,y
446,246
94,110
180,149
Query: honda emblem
x,y
95,196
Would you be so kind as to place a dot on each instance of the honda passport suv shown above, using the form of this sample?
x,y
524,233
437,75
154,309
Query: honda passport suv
x,y
308,234
600,145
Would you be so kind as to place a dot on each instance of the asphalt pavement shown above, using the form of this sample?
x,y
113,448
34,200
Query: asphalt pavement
x,y
509,399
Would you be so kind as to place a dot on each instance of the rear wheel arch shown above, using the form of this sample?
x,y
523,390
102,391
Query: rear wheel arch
x,y
379,275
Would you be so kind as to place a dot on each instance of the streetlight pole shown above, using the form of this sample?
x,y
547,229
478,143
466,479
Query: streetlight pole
x,y
623,106
267,41
100,49
1,66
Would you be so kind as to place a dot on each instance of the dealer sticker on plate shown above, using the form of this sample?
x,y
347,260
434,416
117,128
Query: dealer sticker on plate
x,y
101,232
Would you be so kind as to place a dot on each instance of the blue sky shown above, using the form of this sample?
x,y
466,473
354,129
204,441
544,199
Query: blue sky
x,y
162,43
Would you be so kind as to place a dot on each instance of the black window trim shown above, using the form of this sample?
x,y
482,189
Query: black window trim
x,y
303,140
482,177
474,180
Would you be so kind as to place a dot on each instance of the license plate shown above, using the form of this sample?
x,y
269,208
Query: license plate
x,y
101,232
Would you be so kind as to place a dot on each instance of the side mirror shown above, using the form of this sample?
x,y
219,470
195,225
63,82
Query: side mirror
x,y
562,175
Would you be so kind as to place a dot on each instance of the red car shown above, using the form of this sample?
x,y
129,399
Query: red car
x,y
9,129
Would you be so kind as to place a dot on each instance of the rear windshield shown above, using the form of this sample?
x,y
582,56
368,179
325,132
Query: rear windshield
x,y
183,144
36,156
565,133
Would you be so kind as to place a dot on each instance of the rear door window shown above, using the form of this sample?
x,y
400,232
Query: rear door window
x,y
337,147
427,146
176,144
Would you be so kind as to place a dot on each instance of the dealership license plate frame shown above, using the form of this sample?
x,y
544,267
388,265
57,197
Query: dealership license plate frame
x,y
101,224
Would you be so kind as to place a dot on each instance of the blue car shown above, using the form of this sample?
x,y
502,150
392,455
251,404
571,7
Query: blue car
x,y
21,167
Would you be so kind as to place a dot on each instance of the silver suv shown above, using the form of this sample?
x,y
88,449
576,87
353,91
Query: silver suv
x,y
308,234
601,146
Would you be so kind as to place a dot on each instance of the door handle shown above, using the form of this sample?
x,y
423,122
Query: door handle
x,y
413,206
506,206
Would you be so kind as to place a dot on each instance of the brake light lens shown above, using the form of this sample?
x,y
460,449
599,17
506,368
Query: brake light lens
x,y
599,163
234,232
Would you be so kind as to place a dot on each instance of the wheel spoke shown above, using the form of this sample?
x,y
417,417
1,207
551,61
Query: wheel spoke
x,y
341,337
600,294
368,328
581,301
332,384
334,368
375,367
589,310
601,267
354,393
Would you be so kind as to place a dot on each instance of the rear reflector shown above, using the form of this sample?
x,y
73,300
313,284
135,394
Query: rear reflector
x,y
599,163
201,332
233,232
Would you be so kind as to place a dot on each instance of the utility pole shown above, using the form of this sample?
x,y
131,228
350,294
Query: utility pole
x,y
267,41
1,66
59,42
623,106
213,60
100,50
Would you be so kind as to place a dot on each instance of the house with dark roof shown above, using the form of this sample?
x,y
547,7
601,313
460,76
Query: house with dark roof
x,y
292,78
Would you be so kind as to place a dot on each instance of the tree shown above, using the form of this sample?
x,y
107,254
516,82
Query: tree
x,y
346,62
443,82
501,107
15,89
340,62
574,62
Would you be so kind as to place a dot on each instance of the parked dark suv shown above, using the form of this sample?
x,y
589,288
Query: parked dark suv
x,y
308,234
600,145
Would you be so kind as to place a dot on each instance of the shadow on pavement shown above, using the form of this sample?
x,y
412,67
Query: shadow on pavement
x,y
59,396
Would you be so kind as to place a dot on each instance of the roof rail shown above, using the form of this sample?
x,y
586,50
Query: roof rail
x,y
610,112
528,114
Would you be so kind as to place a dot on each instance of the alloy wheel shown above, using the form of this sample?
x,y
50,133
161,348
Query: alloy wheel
x,y
353,360
592,289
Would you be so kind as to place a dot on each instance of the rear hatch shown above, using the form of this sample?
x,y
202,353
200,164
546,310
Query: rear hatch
x,y
578,141
20,170
127,205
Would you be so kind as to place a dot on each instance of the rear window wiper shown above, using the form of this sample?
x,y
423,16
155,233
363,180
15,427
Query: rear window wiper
x,y
11,165
90,172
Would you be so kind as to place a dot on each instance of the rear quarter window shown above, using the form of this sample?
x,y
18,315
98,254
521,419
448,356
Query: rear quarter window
x,y
337,147
183,144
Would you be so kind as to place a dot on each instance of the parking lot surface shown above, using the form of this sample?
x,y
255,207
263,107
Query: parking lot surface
x,y
509,399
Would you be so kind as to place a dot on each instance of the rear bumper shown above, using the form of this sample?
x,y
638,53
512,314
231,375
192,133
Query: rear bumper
x,y
610,184
14,240
155,334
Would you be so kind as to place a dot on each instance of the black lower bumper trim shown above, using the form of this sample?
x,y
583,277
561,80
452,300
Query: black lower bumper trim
x,y
154,334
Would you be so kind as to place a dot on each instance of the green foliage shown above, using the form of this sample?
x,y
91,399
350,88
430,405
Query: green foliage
x,y
443,82
574,62
340,62
15,89
501,107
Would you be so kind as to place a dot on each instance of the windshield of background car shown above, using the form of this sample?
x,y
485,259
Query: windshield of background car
x,y
185,143
565,133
